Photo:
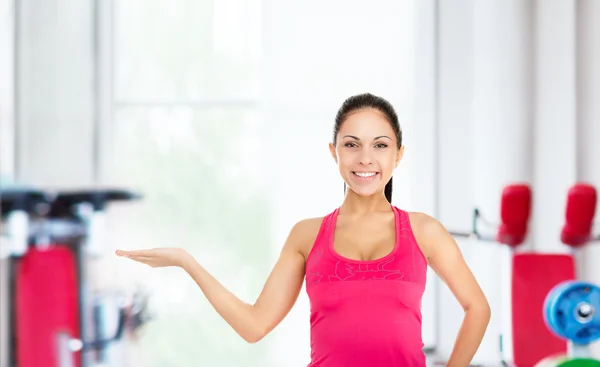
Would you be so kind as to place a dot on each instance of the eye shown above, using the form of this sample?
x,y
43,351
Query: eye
x,y
381,145
350,145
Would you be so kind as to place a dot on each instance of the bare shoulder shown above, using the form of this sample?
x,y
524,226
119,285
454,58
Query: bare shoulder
x,y
428,232
303,235
445,258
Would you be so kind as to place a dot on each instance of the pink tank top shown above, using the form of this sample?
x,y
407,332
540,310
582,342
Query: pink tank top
x,y
366,313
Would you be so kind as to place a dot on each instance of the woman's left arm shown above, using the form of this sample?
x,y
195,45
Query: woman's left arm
x,y
445,258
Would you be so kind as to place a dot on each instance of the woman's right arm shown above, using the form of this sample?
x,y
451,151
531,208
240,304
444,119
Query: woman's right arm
x,y
254,321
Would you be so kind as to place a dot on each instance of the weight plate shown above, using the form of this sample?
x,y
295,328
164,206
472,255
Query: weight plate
x,y
572,311
580,362
553,361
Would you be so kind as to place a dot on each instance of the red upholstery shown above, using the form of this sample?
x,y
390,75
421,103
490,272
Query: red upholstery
x,y
515,210
533,276
46,304
579,215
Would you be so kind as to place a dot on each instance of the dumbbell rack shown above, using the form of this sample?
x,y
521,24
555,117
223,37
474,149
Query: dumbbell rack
x,y
43,230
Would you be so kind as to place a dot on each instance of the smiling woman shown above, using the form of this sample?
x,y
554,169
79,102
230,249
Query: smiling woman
x,y
365,263
370,160
226,134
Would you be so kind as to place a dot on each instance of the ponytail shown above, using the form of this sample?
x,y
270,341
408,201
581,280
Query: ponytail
x,y
387,191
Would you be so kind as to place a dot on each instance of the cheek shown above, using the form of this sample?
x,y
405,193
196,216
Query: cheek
x,y
388,162
387,158
345,158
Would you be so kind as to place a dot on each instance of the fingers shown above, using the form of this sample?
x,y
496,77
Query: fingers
x,y
147,260
147,257
142,256
133,253
150,261
139,258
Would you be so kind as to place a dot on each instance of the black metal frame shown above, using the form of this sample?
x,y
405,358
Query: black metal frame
x,y
59,208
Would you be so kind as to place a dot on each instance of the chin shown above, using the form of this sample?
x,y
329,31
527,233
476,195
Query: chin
x,y
366,192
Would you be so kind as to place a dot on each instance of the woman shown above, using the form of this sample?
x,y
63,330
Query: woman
x,y
364,263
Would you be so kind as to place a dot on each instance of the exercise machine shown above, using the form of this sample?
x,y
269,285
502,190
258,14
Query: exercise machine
x,y
531,281
572,313
56,319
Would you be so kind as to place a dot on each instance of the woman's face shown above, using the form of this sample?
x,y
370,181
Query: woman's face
x,y
366,151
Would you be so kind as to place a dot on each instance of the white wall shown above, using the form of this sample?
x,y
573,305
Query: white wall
x,y
6,88
6,152
588,121
555,120
55,101
423,145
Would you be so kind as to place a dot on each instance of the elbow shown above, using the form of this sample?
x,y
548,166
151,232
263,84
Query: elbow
x,y
253,339
255,335
486,315
482,310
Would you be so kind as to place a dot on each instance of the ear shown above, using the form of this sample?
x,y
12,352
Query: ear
x,y
399,155
332,152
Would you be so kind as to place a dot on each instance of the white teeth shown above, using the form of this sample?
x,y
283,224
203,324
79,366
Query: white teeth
x,y
365,174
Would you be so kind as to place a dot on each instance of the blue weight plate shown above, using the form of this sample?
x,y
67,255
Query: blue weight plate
x,y
572,311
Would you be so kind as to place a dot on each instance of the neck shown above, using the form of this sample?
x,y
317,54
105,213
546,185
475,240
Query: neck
x,y
357,204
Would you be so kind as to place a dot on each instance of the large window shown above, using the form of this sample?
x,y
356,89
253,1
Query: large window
x,y
187,84
196,52
221,117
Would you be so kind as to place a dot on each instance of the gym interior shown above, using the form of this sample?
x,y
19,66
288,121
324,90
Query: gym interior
x,y
204,124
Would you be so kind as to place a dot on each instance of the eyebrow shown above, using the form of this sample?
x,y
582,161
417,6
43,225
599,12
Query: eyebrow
x,y
356,138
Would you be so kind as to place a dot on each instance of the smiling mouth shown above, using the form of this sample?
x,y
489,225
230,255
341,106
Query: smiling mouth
x,y
365,175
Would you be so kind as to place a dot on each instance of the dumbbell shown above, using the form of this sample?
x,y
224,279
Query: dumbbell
x,y
572,313
515,211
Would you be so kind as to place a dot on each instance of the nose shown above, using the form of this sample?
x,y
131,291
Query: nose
x,y
365,157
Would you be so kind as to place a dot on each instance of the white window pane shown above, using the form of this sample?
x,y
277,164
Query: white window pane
x,y
201,174
188,49
327,50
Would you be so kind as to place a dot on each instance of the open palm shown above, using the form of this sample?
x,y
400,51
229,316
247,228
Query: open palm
x,y
156,257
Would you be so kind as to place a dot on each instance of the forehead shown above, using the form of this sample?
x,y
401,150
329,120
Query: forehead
x,y
366,122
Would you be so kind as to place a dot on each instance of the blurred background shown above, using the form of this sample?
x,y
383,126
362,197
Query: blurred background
x,y
218,113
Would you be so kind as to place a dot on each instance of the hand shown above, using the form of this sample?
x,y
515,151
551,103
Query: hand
x,y
157,257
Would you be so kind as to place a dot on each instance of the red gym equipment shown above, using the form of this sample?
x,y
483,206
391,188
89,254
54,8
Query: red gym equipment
x,y
531,281
56,321
579,215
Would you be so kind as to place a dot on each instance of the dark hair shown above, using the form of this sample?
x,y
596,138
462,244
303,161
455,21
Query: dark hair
x,y
364,101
